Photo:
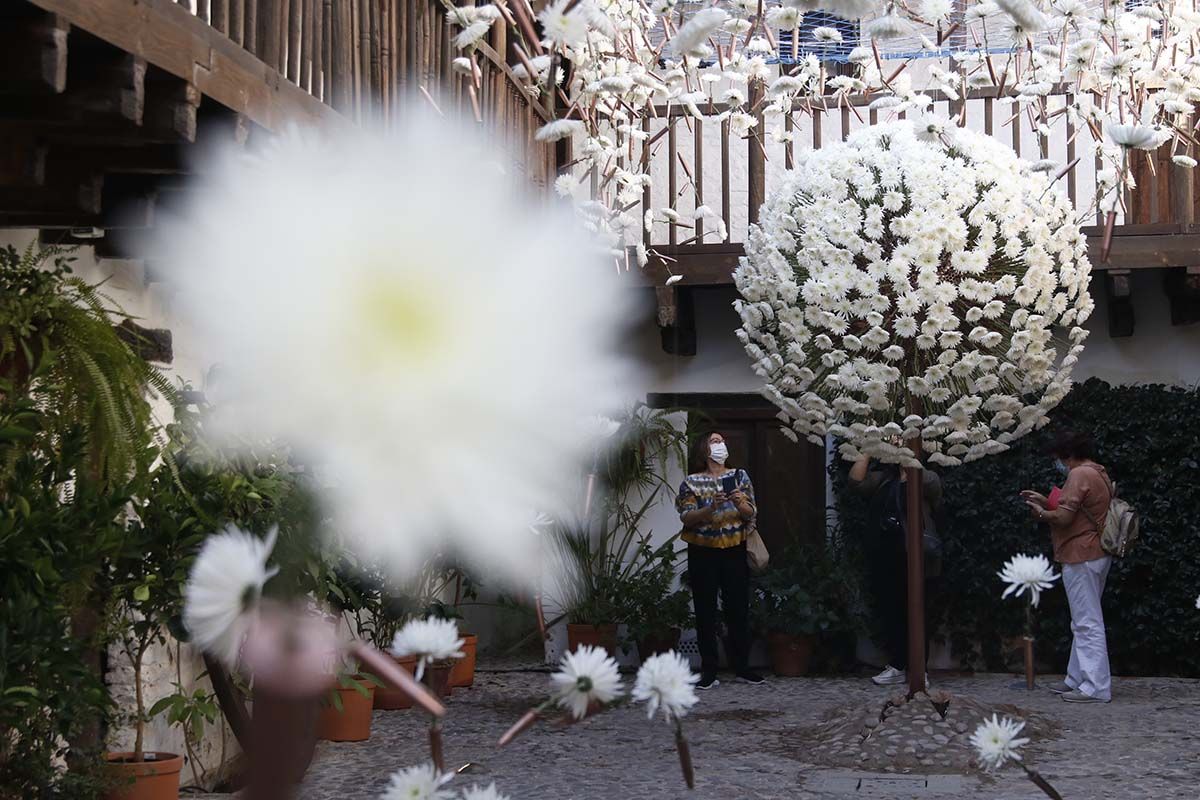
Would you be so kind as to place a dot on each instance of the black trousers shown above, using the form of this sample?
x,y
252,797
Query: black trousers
x,y
889,584
723,571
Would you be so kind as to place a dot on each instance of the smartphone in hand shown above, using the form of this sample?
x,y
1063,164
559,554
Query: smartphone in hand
x,y
729,485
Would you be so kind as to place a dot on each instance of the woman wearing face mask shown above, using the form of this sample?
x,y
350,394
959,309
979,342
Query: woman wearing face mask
x,y
1075,523
716,505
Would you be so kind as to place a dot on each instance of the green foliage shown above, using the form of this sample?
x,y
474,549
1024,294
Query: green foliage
x,y
652,602
596,557
1148,437
809,589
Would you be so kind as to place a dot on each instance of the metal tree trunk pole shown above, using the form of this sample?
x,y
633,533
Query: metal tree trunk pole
x,y
915,535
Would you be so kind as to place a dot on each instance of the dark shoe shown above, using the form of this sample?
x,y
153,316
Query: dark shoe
x,y
1061,688
708,680
753,678
1076,696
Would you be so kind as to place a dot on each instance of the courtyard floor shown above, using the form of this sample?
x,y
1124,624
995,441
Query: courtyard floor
x,y
748,742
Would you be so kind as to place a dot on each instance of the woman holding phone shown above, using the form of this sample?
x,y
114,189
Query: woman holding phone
x,y
716,506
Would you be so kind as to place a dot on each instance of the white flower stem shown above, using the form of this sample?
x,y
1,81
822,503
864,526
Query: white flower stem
x,y
685,755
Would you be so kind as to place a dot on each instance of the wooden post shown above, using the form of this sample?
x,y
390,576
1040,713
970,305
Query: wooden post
x,y
915,536
269,15
342,62
757,167
1182,192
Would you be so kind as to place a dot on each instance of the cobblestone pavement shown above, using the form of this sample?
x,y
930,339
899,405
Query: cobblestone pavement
x,y
746,744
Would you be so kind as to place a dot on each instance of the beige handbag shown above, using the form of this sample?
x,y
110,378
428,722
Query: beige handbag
x,y
756,552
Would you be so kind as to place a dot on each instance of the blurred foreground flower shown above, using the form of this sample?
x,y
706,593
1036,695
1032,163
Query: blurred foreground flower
x,y
430,640
224,587
1032,573
483,793
392,307
588,675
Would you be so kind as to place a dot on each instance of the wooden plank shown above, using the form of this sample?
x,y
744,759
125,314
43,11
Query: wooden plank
x,y
1072,190
295,31
170,108
756,172
725,202
220,15
306,46
269,21
173,40
672,177
698,173
33,52
250,39
105,91
1182,187
237,21
343,58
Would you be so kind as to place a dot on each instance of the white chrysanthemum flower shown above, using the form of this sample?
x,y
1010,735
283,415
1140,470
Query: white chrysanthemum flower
x,y
483,793
1032,573
996,741
472,34
666,681
387,336
418,783
587,675
696,31
825,34
565,28
223,590
1186,162
1138,137
430,640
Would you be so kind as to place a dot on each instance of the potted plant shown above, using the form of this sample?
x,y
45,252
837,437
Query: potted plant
x,y
152,568
808,596
346,711
655,609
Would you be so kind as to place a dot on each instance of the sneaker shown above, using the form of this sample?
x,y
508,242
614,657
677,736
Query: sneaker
x,y
708,680
890,677
1061,688
752,678
1076,696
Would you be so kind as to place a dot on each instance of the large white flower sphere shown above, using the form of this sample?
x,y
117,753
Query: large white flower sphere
x,y
911,283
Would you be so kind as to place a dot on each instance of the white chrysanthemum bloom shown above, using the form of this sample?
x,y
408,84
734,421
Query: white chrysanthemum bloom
x,y
1134,136
223,591
483,793
826,34
859,281
430,640
392,329
1032,573
696,31
666,681
560,129
587,675
565,28
996,741
418,783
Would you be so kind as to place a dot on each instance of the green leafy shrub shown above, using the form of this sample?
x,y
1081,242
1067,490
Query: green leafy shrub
x,y
1149,439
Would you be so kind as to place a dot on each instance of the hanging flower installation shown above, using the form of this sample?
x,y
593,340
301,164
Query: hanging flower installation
x,y
905,286
1123,74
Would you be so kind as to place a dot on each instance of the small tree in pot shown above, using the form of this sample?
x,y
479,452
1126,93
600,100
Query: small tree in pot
x,y
656,609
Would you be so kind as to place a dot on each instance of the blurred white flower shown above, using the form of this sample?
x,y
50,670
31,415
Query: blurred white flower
x,y
996,741
559,129
1027,573
1186,162
483,793
665,680
1138,137
695,32
430,640
418,783
565,28
392,328
223,590
587,675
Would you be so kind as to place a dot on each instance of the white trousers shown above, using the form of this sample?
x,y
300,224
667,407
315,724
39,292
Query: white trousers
x,y
1088,669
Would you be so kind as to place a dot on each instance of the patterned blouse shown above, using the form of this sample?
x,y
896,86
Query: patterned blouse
x,y
727,528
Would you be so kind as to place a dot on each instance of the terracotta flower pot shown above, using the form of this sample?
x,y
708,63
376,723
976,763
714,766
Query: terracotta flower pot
x,y
388,698
352,723
437,678
463,671
790,654
595,635
658,643
156,778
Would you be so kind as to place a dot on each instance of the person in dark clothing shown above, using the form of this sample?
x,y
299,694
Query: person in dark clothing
x,y
886,488
716,507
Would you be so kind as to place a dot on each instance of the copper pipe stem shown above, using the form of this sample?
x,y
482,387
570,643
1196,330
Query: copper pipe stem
x,y
685,757
382,666
524,723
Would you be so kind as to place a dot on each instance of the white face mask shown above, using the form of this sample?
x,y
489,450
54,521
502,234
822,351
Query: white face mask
x,y
718,452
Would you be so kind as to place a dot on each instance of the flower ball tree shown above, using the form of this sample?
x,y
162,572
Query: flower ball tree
x,y
918,293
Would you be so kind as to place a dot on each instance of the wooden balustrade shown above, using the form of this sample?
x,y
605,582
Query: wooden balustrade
x,y
371,59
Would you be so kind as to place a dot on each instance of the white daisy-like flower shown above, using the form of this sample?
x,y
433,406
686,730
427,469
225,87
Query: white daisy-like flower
x,y
1134,136
224,589
587,675
418,783
666,681
483,793
1198,602
826,34
1032,573
696,31
431,639
565,28
472,34
1186,162
996,741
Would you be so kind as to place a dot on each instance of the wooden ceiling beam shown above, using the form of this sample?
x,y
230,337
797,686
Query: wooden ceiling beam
x,y
33,51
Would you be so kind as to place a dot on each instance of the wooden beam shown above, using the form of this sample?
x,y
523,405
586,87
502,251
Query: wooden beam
x,y
676,316
171,106
105,92
22,158
174,40
33,51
